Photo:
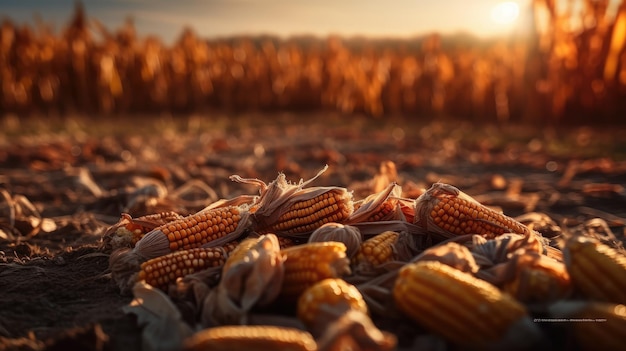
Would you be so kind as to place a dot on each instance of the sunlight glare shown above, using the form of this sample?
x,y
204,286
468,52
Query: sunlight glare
x,y
505,12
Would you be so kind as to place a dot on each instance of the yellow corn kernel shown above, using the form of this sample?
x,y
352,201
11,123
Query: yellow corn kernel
x,y
446,210
310,263
250,338
162,271
454,304
376,250
307,215
597,270
333,293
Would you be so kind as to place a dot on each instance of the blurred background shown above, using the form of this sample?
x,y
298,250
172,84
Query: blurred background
x,y
539,62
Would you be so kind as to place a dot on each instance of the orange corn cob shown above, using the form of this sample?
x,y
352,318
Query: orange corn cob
x,y
230,246
207,228
310,263
128,231
456,305
307,215
250,338
162,271
597,270
382,206
447,211
142,225
337,295
376,250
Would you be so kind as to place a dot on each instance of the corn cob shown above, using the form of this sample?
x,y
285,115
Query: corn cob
x,y
597,270
204,229
285,208
538,278
597,325
456,305
128,231
347,234
230,246
286,242
309,214
447,211
148,222
164,270
334,294
310,263
376,250
382,206
248,337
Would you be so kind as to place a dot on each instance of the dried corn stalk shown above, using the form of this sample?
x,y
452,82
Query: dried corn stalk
x,y
252,276
346,234
448,212
291,209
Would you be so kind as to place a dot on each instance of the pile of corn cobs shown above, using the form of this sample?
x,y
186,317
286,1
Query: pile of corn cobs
x,y
308,268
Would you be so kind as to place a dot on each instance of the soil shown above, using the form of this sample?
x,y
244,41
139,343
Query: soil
x,y
63,184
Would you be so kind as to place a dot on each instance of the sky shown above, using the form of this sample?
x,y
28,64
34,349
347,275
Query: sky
x,y
220,18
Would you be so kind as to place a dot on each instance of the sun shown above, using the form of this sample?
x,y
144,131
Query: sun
x,y
505,12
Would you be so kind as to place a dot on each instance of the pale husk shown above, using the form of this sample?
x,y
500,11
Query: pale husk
x,y
354,330
451,254
347,234
254,280
372,204
163,326
124,265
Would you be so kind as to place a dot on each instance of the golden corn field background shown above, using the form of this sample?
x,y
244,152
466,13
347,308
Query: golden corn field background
x,y
555,74
108,140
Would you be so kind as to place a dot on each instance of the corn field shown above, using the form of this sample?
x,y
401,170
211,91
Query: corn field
x,y
558,73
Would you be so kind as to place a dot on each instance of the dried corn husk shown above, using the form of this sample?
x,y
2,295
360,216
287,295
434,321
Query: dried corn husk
x,y
253,279
386,200
279,196
347,234
451,254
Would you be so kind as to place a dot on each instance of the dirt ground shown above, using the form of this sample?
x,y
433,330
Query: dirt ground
x,y
64,182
